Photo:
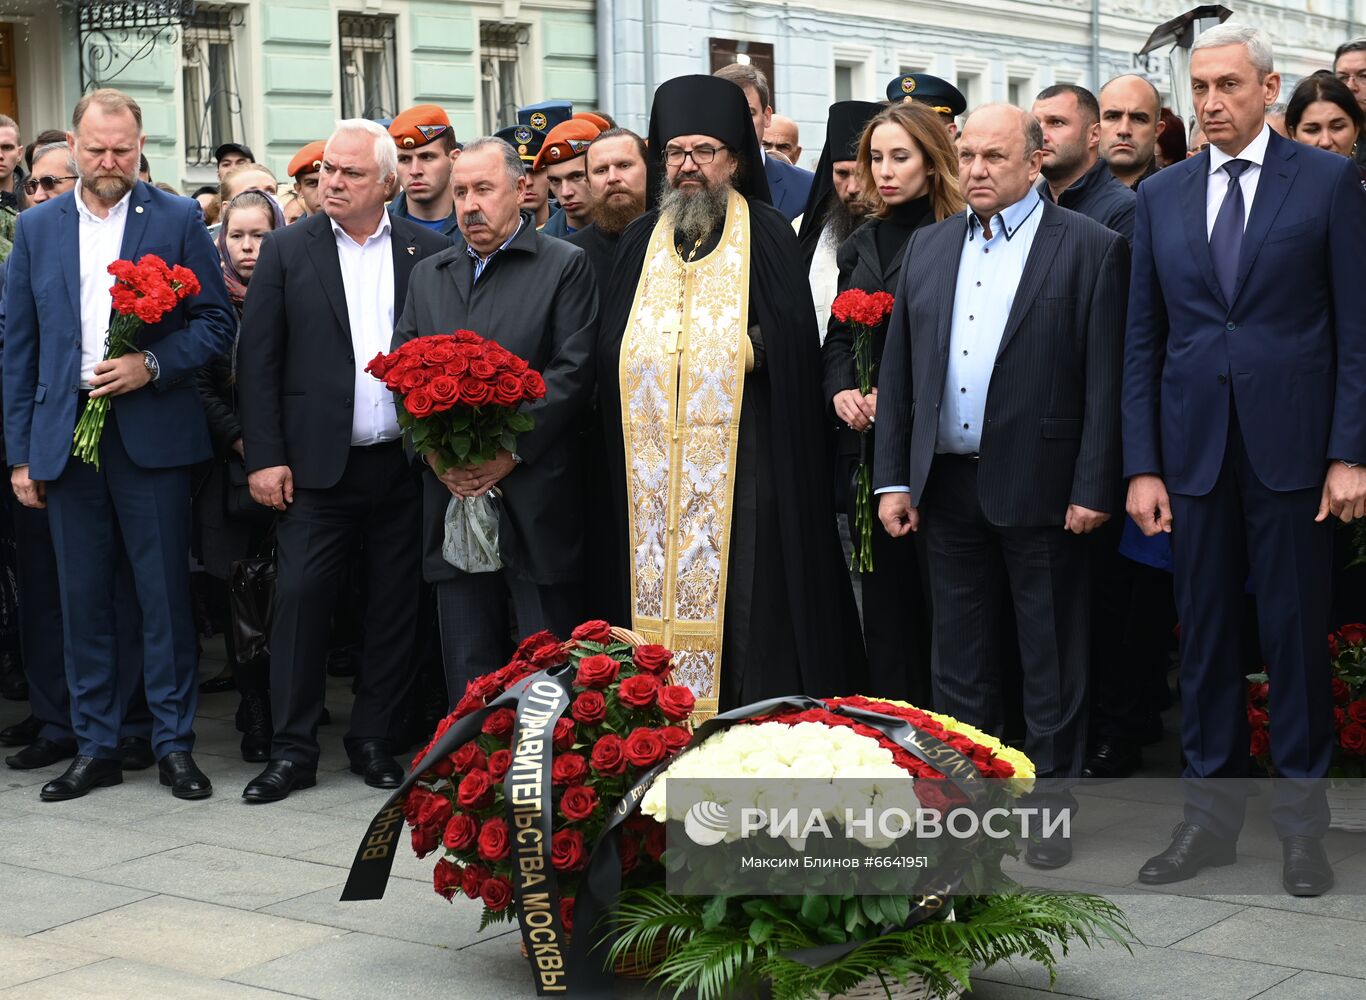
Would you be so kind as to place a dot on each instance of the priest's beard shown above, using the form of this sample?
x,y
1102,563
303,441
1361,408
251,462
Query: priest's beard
x,y
696,214
841,219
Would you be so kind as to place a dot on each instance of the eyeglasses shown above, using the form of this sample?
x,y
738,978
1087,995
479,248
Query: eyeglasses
x,y
1359,77
701,155
48,183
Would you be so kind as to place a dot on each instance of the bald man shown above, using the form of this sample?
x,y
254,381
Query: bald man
x,y
783,137
1130,122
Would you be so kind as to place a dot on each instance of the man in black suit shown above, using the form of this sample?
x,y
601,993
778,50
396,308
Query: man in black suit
x,y
537,297
998,433
322,446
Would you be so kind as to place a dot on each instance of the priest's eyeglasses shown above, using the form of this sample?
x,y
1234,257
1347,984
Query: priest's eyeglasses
x,y
47,182
701,155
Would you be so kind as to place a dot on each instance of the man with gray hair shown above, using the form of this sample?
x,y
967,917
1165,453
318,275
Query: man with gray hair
x,y
537,297
322,447
998,438
1244,424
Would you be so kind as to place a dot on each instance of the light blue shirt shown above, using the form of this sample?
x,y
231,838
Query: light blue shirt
x,y
989,272
482,262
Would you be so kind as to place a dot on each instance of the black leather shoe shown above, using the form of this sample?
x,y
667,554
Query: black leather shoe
x,y
41,753
84,774
21,734
1112,759
372,759
219,683
1192,848
187,781
1048,852
136,753
279,779
254,721
1306,871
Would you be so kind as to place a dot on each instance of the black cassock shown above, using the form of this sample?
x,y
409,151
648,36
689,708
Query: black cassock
x,y
790,623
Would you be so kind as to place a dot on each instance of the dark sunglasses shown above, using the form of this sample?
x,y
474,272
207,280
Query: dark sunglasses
x,y
48,182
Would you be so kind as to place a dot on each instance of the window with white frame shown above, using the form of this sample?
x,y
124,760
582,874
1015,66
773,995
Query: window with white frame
x,y
210,90
502,65
369,66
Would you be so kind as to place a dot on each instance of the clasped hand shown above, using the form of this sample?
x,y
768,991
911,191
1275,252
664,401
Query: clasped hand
x,y
467,481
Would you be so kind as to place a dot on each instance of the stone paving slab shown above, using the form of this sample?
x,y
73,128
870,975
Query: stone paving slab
x,y
1319,944
25,959
1111,973
68,847
222,875
198,938
34,901
119,979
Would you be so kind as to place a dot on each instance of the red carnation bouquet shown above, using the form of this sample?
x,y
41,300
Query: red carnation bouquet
x,y
143,294
624,718
864,311
461,396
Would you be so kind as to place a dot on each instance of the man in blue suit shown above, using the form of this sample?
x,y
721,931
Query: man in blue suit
x,y
58,313
788,186
1244,418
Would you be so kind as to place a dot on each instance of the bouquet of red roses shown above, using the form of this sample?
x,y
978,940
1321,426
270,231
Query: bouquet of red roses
x,y
461,396
863,311
143,293
625,717
1347,649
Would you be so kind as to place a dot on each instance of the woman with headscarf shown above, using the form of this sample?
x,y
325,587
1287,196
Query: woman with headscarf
x,y
230,530
909,168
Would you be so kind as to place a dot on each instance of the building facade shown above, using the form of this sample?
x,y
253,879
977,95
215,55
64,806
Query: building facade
x,y
819,51
276,74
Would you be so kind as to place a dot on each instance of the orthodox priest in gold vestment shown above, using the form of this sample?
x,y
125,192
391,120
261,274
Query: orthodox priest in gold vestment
x,y
717,443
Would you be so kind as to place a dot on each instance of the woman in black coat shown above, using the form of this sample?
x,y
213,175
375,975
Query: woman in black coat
x,y
228,532
910,179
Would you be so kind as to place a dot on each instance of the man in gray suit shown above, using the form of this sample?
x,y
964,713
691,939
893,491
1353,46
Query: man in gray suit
x,y
537,297
998,435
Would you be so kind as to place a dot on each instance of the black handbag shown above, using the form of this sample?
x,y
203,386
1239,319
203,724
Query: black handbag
x,y
251,597
237,499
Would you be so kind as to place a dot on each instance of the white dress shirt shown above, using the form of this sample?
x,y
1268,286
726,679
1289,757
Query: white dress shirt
x,y
1255,153
101,241
368,277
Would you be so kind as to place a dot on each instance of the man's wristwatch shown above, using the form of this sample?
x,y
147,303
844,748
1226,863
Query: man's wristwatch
x,y
149,361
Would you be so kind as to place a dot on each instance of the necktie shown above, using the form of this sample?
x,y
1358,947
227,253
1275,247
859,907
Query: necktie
x,y
1226,239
